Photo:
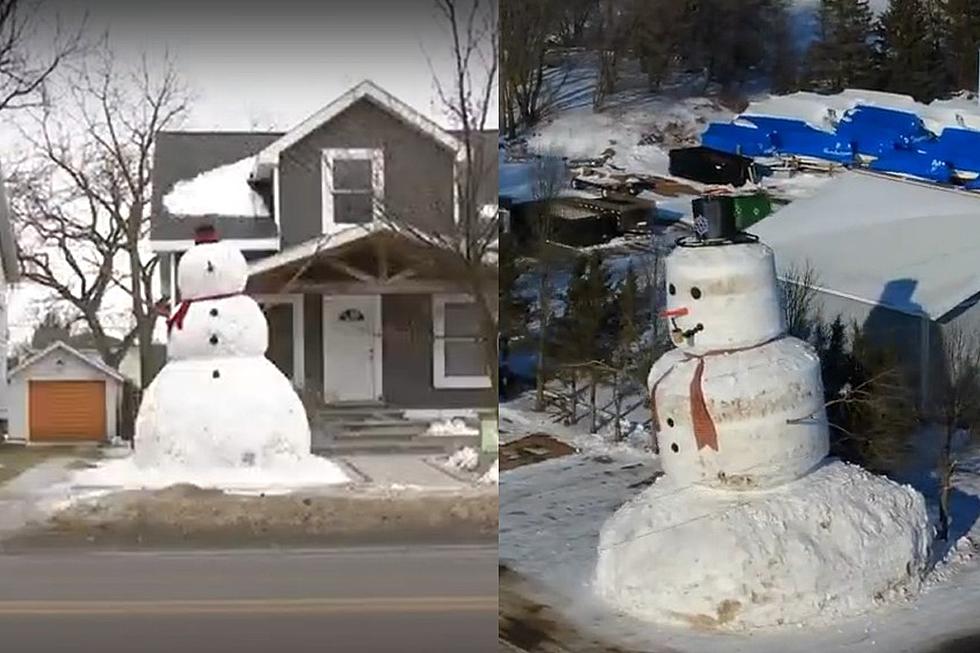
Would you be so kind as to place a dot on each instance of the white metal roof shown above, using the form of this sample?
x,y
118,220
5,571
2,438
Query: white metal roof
x,y
909,246
60,345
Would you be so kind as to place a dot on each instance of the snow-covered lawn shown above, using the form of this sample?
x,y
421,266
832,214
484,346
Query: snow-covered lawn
x,y
551,514
124,474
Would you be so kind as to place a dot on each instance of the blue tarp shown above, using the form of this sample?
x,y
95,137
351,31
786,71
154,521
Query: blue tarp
x,y
915,165
776,125
959,147
736,139
814,143
875,131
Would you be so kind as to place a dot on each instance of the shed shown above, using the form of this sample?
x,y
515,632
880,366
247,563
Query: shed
x,y
896,255
60,395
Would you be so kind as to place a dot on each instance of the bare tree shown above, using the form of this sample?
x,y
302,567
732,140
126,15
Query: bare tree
x,y
24,73
798,288
526,28
467,249
613,28
549,177
954,407
82,206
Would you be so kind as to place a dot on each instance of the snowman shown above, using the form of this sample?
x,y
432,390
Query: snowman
x,y
738,403
751,526
218,403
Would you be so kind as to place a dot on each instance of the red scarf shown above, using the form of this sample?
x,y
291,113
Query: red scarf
x,y
705,433
181,312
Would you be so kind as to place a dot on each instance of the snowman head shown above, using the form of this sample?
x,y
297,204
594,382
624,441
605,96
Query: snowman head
x,y
211,267
722,297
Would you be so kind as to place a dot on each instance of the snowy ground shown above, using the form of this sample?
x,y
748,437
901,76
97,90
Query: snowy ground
x,y
123,474
551,514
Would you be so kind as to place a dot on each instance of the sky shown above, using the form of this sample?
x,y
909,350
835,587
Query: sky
x,y
261,65
274,62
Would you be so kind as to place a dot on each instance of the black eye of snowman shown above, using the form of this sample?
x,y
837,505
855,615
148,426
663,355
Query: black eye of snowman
x,y
671,289
696,292
210,267
214,312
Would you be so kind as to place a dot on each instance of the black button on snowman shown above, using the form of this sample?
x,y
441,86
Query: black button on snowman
x,y
218,401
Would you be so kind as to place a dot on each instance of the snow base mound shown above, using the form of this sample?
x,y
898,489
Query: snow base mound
x,y
837,542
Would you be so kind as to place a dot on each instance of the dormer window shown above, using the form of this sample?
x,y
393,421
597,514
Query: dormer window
x,y
353,187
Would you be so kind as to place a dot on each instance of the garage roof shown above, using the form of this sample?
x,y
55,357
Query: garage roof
x,y
897,243
61,346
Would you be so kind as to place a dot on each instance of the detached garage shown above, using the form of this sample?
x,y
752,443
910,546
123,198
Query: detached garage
x,y
59,395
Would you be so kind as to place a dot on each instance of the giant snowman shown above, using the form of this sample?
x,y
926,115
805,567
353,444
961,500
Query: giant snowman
x,y
219,404
750,526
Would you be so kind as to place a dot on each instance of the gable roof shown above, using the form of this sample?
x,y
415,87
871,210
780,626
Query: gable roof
x,y
900,244
268,158
8,243
61,346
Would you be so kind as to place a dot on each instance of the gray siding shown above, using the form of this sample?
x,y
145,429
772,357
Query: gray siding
x,y
408,358
313,341
418,171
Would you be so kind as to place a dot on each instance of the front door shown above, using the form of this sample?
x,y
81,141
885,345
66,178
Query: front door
x,y
351,348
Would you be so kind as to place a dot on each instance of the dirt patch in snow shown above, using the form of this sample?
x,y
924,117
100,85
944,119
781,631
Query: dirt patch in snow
x,y
186,515
530,449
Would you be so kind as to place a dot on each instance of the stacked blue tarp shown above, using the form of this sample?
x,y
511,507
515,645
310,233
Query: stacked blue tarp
x,y
798,138
958,147
738,139
876,131
913,164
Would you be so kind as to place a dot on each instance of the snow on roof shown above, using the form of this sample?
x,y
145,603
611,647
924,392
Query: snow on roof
x,y
60,345
219,191
897,243
822,111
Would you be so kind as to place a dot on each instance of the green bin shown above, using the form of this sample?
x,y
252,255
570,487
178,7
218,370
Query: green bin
x,y
749,209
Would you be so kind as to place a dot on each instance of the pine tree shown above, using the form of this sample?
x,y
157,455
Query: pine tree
x,y
843,54
911,57
961,19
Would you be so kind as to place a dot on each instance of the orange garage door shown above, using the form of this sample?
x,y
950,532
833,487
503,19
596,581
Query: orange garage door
x,y
67,410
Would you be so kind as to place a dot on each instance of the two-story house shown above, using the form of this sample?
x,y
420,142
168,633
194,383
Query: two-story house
x,y
360,312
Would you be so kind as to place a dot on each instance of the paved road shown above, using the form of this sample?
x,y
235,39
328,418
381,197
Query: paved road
x,y
426,599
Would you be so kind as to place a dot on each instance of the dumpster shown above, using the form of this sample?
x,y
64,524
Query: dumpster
x,y
749,209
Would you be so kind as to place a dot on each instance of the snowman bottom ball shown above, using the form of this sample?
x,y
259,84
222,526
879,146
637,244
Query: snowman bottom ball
x,y
835,543
219,413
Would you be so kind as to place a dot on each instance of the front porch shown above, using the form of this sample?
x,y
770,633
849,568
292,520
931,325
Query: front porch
x,y
367,330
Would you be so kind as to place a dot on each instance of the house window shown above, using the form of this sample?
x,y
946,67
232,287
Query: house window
x,y
459,355
353,186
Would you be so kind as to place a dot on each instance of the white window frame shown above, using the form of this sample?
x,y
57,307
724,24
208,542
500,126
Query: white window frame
x,y
329,155
299,344
439,377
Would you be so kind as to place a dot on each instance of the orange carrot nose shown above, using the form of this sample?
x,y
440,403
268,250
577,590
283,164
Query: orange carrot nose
x,y
677,312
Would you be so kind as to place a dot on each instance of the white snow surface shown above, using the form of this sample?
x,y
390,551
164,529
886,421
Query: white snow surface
x,y
209,269
551,514
465,459
492,475
222,191
837,542
282,476
249,415
451,427
236,323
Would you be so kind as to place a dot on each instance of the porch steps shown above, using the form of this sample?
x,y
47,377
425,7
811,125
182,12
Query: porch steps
x,y
351,430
